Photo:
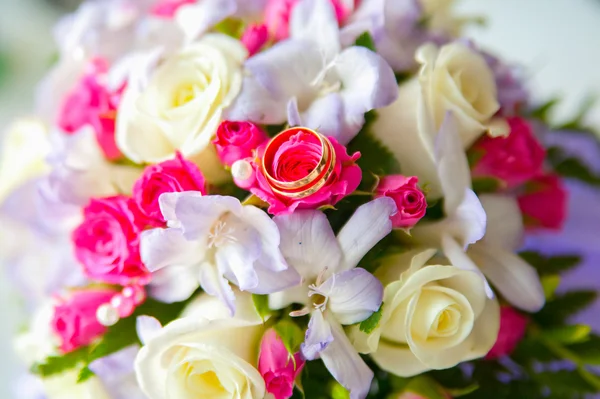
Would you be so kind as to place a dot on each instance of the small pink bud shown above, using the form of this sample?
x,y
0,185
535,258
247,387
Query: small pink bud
x,y
255,37
512,330
237,140
408,197
277,367
167,9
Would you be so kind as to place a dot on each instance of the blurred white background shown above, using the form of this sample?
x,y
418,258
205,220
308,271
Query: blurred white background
x,y
557,41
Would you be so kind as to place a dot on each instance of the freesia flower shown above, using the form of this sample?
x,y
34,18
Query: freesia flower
x,y
333,290
409,199
75,319
544,202
512,330
172,176
205,352
237,140
435,316
117,374
310,81
278,368
214,240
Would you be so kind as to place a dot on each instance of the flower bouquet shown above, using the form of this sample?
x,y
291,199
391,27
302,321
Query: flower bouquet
x,y
287,198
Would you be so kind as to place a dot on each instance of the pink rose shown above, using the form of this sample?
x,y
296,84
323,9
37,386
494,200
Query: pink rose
x,y
75,321
513,159
107,242
237,140
277,367
168,8
172,176
255,37
544,202
300,169
278,13
92,103
512,330
409,199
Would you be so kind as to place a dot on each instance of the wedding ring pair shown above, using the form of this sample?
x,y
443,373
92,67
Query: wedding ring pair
x,y
308,185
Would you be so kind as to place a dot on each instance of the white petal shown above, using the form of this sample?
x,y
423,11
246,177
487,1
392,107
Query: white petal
x,y
318,336
293,115
517,281
352,295
270,282
346,366
239,261
504,221
469,222
174,283
398,359
147,327
308,242
367,226
196,19
326,115
167,247
315,20
452,164
269,235
214,284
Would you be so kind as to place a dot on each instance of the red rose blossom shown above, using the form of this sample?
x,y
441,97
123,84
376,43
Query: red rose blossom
x,y
512,330
544,202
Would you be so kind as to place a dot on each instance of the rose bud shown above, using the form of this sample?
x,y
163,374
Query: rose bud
x,y
277,367
92,103
301,169
74,320
255,37
167,9
237,140
172,176
409,199
107,242
544,203
512,330
513,159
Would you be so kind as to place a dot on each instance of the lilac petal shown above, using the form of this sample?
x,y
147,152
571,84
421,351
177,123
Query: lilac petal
x,y
315,20
147,327
293,115
308,242
199,18
214,284
174,284
167,247
318,336
239,261
345,365
250,8
327,116
367,226
270,282
352,295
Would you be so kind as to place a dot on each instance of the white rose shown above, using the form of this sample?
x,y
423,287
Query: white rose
x,y
180,107
65,386
25,148
434,316
204,354
452,78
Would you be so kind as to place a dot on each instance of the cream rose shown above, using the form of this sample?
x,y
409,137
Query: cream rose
x,y
204,354
181,105
452,78
434,316
65,386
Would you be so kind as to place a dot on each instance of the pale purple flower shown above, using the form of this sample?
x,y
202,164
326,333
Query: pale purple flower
x,y
334,291
214,240
309,80
29,386
117,373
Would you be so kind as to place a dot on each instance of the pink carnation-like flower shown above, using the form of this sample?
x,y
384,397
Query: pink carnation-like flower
x,y
167,8
172,176
255,37
74,320
296,158
513,159
544,202
107,242
278,13
277,367
409,199
92,103
237,140
512,330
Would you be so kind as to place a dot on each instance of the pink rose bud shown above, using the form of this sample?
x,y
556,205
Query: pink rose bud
x,y
255,37
107,242
75,321
512,330
513,159
237,140
167,9
92,103
409,199
277,367
302,169
172,176
544,202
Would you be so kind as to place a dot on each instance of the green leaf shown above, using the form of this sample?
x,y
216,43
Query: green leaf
x,y
291,335
568,334
564,306
54,365
84,375
483,185
366,40
426,387
571,167
544,110
588,351
368,325
550,265
261,304
339,392
577,123
565,383
550,284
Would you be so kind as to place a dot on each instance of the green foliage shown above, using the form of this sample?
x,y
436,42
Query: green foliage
x,y
291,335
484,185
563,306
567,334
550,265
366,40
368,325
571,167
85,374
261,304
587,351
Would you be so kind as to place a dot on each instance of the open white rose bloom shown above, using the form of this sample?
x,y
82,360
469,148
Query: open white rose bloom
x,y
274,199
